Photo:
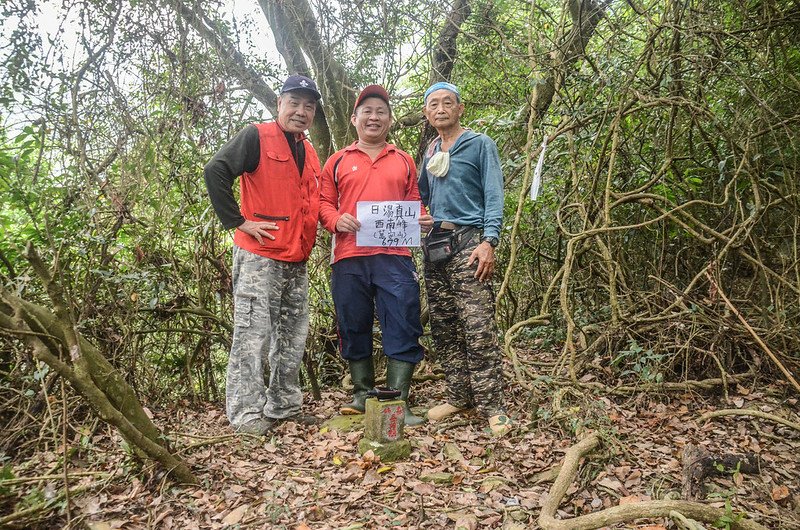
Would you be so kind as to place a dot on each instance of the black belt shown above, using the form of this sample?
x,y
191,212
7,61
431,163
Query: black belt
x,y
448,226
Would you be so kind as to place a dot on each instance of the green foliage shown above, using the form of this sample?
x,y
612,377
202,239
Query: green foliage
x,y
643,363
680,153
6,473
135,241
730,518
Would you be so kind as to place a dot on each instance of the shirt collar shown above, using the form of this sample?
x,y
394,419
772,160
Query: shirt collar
x,y
354,147
298,137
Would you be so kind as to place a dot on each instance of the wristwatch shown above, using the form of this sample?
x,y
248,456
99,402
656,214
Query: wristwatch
x,y
493,241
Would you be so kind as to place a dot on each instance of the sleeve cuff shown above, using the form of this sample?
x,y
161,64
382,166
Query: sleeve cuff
x,y
234,224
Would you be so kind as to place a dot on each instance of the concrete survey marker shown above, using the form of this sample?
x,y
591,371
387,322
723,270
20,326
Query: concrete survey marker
x,y
384,424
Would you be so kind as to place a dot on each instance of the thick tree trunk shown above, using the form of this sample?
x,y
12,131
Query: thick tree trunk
x,y
237,67
297,33
585,14
443,60
444,56
54,340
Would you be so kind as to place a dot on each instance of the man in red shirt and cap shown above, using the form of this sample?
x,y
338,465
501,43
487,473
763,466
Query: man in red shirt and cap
x,y
367,278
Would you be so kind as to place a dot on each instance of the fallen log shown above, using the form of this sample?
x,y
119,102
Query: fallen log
x,y
699,463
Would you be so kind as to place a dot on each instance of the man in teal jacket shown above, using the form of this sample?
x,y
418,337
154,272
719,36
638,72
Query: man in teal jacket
x,y
462,184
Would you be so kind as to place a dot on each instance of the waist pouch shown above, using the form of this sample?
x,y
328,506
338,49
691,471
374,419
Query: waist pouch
x,y
441,245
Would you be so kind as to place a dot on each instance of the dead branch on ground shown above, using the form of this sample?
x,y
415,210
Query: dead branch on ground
x,y
749,412
622,513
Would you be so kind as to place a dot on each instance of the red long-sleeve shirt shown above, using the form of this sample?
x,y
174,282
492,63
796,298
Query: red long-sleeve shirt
x,y
392,176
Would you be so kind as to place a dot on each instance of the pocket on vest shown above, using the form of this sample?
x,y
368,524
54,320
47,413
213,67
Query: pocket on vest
x,y
277,156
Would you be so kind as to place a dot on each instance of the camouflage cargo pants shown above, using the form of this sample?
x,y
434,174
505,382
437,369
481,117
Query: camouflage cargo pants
x,y
270,328
465,334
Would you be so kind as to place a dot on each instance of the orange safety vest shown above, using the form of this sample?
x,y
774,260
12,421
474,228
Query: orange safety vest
x,y
276,191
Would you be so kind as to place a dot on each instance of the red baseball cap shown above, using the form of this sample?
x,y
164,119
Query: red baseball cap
x,y
372,91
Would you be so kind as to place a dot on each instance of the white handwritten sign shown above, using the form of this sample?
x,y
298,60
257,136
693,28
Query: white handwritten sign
x,y
388,224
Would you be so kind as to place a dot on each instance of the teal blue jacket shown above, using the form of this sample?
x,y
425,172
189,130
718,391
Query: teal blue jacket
x,y
471,193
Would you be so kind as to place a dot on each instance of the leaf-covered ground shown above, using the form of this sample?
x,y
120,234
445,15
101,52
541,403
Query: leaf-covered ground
x,y
309,477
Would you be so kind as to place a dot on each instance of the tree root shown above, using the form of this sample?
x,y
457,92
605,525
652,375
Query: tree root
x,y
684,523
42,478
749,412
625,512
453,424
218,439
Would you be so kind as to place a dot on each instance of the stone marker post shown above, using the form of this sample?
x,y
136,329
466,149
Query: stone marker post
x,y
384,423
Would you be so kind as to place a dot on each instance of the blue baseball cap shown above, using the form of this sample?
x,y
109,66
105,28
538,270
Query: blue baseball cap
x,y
300,82
442,85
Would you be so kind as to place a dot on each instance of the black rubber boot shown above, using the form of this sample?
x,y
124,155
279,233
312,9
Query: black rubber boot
x,y
362,372
398,375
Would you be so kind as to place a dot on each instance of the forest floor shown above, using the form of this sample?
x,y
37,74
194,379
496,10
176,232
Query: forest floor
x,y
310,477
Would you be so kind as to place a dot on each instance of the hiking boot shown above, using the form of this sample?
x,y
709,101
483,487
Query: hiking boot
x,y
362,372
440,412
398,376
304,419
259,426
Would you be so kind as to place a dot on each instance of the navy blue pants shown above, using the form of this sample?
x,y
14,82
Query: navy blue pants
x,y
386,283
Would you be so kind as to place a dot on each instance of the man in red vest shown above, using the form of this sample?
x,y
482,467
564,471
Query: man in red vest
x,y
370,279
275,230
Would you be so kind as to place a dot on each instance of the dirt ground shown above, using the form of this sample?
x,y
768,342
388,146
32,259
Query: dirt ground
x,y
310,477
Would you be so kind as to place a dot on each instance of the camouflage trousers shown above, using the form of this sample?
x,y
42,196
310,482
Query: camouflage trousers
x,y
465,334
270,327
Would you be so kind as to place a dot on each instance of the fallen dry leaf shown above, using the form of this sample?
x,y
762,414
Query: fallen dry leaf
x,y
467,522
612,484
780,493
630,499
423,488
548,475
236,515
309,478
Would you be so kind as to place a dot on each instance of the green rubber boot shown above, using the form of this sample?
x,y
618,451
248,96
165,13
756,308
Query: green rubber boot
x,y
398,375
362,372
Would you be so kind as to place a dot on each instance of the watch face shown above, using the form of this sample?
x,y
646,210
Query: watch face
x,y
493,241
